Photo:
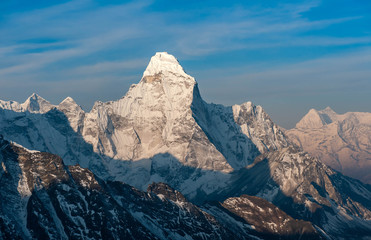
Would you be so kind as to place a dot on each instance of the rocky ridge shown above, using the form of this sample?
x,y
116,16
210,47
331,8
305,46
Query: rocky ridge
x,y
45,199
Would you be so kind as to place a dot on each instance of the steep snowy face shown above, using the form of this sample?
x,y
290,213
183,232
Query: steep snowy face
x,y
341,141
73,112
152,128
240,133
257,125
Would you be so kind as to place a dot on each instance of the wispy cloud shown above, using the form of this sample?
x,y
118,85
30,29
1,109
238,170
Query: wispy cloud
x,y
322,81
109,67
80,41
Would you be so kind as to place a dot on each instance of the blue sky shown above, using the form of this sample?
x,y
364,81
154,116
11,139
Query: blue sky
x,y
288,56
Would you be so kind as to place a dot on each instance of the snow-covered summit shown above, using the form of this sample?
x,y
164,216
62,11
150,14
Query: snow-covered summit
x,y
317,119
37,104
312,120
33,104
68,100
69,104
163,62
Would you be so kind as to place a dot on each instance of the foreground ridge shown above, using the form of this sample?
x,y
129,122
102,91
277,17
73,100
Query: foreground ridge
x,y
44,199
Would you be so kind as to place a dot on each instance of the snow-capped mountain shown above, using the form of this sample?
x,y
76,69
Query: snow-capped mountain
x,y
342,141
163,131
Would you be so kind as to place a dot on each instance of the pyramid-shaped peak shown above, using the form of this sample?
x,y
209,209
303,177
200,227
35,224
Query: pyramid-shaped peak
x,y
163,62
35,96
311,120
68,104
35,103
68,100
327,110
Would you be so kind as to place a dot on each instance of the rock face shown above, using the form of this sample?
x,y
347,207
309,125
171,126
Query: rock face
x,y
307,189
267,220
342,141
44,199
162,131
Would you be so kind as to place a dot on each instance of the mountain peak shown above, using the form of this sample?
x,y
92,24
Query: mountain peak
x,y
327,110
317,119
311,120
163,62
37,104
164,80
69,104
34,95
68,100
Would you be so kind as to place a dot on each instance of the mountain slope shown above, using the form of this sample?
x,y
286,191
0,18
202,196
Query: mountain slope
x,y
342,141
44,199
307,189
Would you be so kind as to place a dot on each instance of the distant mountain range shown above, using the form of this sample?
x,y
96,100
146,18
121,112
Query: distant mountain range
x,y
342,141
236,174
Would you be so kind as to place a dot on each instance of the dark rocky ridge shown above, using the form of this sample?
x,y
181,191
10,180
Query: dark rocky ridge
x,y
44,199
61,202
269,219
